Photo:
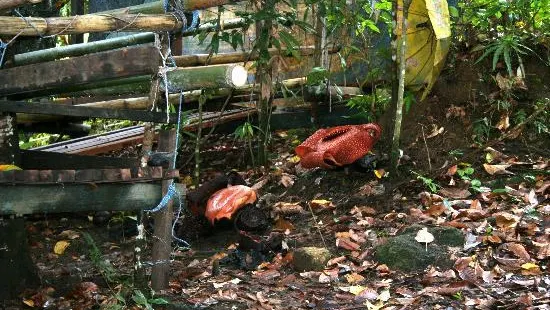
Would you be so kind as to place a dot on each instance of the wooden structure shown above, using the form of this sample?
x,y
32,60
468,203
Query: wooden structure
x,y
119,78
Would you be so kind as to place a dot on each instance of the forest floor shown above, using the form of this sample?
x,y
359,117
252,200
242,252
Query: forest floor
x,y
494,193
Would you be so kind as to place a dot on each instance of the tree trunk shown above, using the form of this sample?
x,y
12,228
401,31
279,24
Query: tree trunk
x,y
398,101
17,270
264,77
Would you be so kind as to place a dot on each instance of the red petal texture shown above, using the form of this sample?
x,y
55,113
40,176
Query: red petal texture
x,y
225,202
338,146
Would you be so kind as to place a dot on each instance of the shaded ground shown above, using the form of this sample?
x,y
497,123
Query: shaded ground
x,y
505,220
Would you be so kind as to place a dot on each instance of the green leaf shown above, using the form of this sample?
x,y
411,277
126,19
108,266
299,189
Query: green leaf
x,y
496,55
288,39
317,75
158,301
139,298
508,61
453,11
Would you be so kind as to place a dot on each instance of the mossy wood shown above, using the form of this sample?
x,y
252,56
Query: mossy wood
x,y
87,112
32,159
97,67
218,76
29,199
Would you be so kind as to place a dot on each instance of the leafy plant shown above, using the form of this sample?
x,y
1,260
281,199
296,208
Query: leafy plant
x,y
505,46
147,303
428,182
245,132
482,130
466,174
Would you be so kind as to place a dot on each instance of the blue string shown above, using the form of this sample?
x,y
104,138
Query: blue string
x,y
194,21
3,48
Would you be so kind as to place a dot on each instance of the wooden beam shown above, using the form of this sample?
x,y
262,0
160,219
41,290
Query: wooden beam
x,y
126,62
28,199
39,26
31,159
87,112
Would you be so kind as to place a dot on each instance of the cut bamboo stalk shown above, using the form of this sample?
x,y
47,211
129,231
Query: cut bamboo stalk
x,y
218,76
38,26
9,4
81,49
157,7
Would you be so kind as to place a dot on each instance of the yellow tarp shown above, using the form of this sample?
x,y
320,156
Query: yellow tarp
x,y
428,38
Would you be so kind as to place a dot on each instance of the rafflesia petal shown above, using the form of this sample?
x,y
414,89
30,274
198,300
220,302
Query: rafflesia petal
x,y
338,146
226,202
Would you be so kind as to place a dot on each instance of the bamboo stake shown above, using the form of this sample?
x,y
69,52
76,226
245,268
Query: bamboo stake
x,y
9,4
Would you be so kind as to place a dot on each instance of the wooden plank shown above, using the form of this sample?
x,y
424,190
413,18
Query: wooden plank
x,y
117,175
28,199
31,159
126,62
88,112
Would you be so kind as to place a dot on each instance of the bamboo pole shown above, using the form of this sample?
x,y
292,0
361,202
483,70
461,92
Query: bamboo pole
x,y
225,58
157,7
217,76
9,4
190,96
38,26
81,49
140,38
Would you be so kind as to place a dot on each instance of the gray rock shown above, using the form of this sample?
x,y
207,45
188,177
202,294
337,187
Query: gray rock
x,y
310,258
403,252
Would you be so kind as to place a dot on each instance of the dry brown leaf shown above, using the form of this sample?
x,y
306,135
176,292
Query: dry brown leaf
x,y
455,193
336,260
504,122
354,277
452,170
321,204
282,225
436,210
287,180
287,208
497,169
347,244
506,220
